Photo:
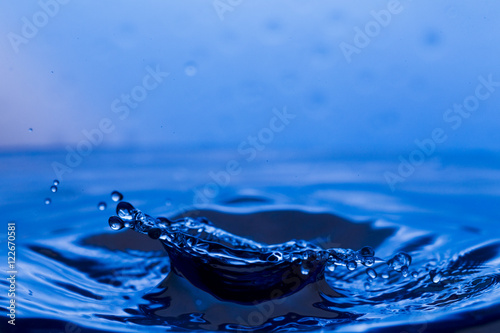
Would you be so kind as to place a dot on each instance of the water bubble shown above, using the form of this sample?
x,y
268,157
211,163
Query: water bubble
x,y
371,273
190,69
115,223
414,274
435,276
53,188
400,260
47,201
55,182
367,251
154,233
116,196
101,205
125,211
404,271
351,265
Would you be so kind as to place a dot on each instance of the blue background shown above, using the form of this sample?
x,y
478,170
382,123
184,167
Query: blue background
x,y
226,75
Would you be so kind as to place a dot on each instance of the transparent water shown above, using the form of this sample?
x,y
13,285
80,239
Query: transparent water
x,y
76,273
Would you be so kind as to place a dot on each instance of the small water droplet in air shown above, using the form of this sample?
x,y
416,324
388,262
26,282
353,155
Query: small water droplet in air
x,y
47,201
371,273
351,265
435,276
55,182
304,270
116,196
414,274
404,271
367,286
125,211
385,275
101,205
116,223
53,188
30,129
191,69
367,251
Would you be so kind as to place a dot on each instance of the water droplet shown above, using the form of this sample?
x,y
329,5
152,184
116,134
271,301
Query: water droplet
x,y
404,271
368,261
371,273
330,268
385,275
414,274
125,211
116,196
55,182
154,233
47,201
30,129
190,69
101,205
367,251
304,270
435,276
400,260
115,223
367,286
53,188
351,265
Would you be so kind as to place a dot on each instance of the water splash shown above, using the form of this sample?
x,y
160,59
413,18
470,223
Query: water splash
x,y
245,270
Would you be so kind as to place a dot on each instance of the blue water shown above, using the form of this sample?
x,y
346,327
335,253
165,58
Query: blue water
x,y
76,273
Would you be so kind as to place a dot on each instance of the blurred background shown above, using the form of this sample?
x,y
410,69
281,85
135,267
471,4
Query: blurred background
x,y
230,62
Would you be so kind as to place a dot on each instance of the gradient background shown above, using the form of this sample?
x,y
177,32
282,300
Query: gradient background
x,y
227,75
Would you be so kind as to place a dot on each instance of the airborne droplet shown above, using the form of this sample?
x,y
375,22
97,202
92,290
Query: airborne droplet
x,y
125,211
53,188
115,223
116,196
47,201
101,205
